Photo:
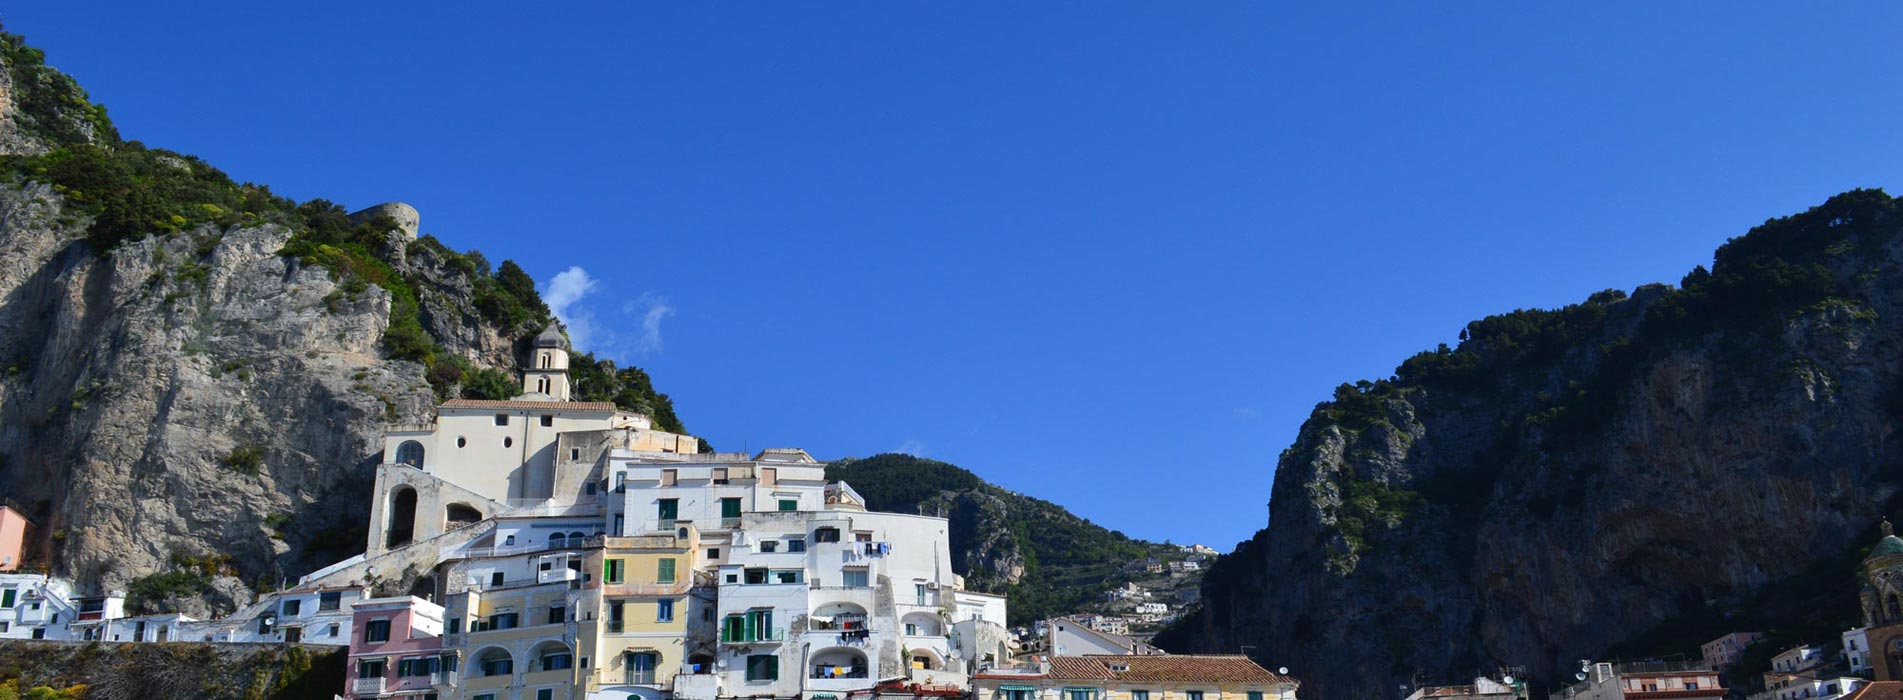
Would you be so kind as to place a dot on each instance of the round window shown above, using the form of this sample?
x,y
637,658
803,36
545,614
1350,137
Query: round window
x,y
462,442
508,442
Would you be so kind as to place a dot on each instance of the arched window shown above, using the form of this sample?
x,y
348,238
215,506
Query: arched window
x,y
557,541
410,453
1895,607
541,385
402,523
545,361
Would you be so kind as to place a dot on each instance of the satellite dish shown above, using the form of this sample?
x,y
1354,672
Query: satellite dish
x,y
1580,676
1283,670
1508,679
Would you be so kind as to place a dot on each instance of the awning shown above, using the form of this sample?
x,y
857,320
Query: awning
x,y
824,696
1016,687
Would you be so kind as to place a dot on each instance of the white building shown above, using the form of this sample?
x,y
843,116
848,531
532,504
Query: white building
x,y
1798,658
1856,646
36,606
1067,637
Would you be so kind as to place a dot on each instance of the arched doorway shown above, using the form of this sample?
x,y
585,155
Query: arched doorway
x,y
402,521
460,514
839,662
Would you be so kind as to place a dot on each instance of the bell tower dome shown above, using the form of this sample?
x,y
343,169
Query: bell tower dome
x,y
545,377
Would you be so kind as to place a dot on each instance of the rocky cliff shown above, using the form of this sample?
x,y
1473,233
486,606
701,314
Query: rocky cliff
x,y
195,374
1616,477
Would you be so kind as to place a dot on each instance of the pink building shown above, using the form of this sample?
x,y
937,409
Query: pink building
x,y
396,649
13,527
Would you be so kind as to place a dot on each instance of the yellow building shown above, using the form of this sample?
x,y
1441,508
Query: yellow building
x,y
1157,677
512,633
639,609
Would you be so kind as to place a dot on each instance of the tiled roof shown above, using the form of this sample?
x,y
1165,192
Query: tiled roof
x,y
1080,668
1165,668
1880,690
532,405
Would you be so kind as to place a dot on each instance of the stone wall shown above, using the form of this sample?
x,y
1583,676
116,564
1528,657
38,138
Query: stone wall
x,y
178,670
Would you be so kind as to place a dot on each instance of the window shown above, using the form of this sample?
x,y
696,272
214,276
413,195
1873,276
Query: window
x,y
911,629
1255,695
787,576
641,666
548,420
621,482
796,544
919,590
763,667
1022,694
495,579
498,665
6,597
410,453
1689,685
545,694
503,621
377,631
333,630
484,696
729,508
611,571
462,441
502,419
756,575
453,625
862,537
665,570
720,475
557,660
669,476
1145,695
787,504
508,442
826,534
856,578
574,454
1194,695
713,552
557,614
769,546
370,668
664,610
1079,693
292,607
329,601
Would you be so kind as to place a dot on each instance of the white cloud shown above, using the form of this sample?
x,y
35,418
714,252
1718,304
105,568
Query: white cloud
x,y
564,294
911,447
650,309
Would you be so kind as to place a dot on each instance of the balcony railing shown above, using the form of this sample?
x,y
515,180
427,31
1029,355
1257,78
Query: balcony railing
x,y
752,636
443,679
616,626
729,523
368,686
644,677
838,672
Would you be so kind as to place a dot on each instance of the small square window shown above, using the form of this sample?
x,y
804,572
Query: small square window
x,y
502,419
796,545
548,421
770,546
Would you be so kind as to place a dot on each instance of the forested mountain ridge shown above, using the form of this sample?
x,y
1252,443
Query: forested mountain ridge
x,y
1047,560
195,374
1626,475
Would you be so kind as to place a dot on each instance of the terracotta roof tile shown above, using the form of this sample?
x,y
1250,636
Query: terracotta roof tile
x,y
533,405
1079,668
1880,690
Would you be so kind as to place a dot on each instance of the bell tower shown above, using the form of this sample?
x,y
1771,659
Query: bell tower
x,y
546,374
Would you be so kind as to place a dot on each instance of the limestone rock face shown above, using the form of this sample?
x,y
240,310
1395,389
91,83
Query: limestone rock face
x,y
131,378
1442,529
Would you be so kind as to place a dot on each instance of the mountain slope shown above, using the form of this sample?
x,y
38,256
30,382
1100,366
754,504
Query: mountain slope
x,y
195,374
1616,476
1045,559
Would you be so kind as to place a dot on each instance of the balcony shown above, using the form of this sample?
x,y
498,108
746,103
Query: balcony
x,y
367,686
770,636
729,523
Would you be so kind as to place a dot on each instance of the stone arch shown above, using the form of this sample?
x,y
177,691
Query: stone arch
x,y
551,655
839,662
491,661
410,453
700,662
922,624
401,523
557,540
456,515
926,658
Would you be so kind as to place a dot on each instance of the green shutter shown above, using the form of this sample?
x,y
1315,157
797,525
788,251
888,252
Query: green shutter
x,y
788,504
670,509
666,574
730,507
611,571
6,598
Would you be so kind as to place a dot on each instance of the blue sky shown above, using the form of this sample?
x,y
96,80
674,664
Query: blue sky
x,y
1109,254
